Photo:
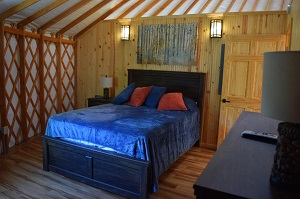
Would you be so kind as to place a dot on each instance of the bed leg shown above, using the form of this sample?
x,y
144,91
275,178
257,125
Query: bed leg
x,y
45,156
145,183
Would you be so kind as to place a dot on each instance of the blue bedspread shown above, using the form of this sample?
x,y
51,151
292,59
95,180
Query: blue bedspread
x,y
140,132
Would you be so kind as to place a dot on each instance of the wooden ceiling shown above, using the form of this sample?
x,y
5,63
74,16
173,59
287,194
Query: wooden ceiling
x,y
74,17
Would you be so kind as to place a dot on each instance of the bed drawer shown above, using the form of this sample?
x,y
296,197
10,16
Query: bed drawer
x,y
73,162
116,173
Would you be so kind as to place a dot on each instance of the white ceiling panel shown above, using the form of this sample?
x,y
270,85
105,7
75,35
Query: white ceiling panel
x,y
121,10
223,7
183,7
7,4
198,6
55,12
152,10
169,8
138,9
27,12
211,6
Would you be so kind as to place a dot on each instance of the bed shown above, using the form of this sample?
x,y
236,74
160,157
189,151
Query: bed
x,y
134,174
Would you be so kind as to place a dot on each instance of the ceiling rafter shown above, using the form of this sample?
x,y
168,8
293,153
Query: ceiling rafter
x,y
217,6
282,5
177,7
230,5
268,5
243,5
109,12
41,12
162,8
204,7
64,14
130,9
254,5
147,8
82,17
17,8
190,7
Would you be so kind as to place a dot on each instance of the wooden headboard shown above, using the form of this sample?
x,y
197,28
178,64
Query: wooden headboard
x,y
190,84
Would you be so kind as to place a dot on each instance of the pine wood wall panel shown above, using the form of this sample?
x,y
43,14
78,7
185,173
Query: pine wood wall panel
x,y
295,23
120,62
96,55
93,60
86,58
87,84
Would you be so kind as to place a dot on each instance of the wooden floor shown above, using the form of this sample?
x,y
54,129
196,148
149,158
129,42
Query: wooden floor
x,y
22,176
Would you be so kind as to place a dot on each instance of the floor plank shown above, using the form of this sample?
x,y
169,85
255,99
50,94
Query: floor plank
x,y
22,176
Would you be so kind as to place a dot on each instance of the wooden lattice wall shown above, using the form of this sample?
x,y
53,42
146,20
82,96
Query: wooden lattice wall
x,y
38,81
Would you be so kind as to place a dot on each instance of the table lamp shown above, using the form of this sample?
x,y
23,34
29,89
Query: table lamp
x,y
281,100
106,83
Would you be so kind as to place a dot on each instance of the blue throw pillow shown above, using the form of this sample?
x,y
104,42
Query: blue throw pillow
x,y
154,96
124,95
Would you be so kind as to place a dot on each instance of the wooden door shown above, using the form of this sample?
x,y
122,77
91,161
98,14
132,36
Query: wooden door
x,y
242,76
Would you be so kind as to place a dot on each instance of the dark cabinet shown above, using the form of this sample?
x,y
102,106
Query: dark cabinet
x,y
95,101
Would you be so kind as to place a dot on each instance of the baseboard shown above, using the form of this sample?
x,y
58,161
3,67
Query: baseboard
x,y
208,146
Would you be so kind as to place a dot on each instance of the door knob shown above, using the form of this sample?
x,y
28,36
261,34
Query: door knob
x,y
224,100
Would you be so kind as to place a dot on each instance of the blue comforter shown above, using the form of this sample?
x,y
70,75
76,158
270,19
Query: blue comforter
x,y
140,132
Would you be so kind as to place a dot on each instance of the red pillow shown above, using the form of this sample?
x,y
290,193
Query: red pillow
x,y
139,96
171,101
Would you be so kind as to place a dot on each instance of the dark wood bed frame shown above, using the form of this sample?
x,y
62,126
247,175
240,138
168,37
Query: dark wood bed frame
x,y
110,171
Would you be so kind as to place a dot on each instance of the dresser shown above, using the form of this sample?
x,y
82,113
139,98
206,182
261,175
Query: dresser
x,y
241,167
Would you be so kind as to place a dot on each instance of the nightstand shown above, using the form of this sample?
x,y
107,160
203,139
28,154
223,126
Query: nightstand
x,y
95,101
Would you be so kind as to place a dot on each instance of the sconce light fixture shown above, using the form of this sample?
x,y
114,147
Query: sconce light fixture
x,y
216,26
125,32
288,9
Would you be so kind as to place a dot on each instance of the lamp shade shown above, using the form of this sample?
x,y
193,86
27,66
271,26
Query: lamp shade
x,y
281,86
105,82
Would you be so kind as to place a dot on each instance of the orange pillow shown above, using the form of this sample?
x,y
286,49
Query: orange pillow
x,y
139,96
171,101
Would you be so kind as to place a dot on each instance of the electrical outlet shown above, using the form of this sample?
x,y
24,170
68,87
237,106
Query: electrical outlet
x,y
4,130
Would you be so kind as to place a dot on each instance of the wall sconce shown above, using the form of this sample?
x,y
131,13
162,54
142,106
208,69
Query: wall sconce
x,y
105,83
216,26
125,32
288,9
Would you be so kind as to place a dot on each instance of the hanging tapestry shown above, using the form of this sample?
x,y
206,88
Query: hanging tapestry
x,y
167,44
